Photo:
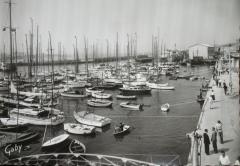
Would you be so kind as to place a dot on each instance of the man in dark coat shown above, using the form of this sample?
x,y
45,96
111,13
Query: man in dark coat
x,y
214,140
206,141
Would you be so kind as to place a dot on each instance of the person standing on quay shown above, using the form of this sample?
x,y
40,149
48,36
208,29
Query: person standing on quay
x,y
206,141
214,140
225,87
219,130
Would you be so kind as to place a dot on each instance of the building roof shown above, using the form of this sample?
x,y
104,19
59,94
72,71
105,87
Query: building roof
x,y
203,44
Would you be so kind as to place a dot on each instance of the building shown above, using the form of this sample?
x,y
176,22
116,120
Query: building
x,y
201,51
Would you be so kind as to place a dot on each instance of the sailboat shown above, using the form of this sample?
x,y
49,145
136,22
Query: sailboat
x,y
131,89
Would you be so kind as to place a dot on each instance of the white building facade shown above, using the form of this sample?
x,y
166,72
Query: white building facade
x,y
203,51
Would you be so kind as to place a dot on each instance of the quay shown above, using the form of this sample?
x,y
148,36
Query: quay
x,y
226,109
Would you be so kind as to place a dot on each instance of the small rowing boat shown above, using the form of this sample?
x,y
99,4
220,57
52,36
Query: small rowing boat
x,y
165,107
73,94
121,131
75,128
77,147
131,106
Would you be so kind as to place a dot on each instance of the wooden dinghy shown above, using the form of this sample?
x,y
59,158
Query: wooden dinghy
x,y
131,106
118,131
165,107
77,147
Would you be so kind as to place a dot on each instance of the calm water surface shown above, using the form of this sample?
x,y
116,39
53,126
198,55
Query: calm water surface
x,y
154,133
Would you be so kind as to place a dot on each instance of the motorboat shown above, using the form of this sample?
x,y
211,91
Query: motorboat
x,y
91,119
125,97
155,85
131,106
75,128
133,90
76,147
99,103
58,141
165,107
37,116
101,95
118,131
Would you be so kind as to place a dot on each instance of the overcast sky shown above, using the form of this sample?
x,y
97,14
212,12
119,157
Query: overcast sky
x,y
183,22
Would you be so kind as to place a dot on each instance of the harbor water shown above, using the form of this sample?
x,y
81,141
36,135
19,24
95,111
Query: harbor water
x,y
155,135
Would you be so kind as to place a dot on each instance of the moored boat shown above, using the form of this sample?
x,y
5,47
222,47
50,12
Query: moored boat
x,y
75,128
99,103
37,116
165,107
131,106
58,141
93,90
77,147
101,95
135,90
126,97
91,119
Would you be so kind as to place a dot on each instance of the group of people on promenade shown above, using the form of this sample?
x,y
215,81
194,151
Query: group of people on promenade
x,y
217,130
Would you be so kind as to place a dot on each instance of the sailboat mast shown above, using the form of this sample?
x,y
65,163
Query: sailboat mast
x,y
86,54
10,35
117,55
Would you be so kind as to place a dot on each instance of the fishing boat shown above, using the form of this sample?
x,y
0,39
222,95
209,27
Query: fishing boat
x,y
73,94
93,90
99,103
76,147
131,106
75,128
101,95
124,97
56,142
118,131
91,119
37,116
165,107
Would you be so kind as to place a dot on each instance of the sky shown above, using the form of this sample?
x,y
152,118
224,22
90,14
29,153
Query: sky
x,y
180,22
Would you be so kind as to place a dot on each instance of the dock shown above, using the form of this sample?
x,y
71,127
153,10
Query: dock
x,y
225,109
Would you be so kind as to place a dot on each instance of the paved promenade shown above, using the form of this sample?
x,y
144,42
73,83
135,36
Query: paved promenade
x,y
225,109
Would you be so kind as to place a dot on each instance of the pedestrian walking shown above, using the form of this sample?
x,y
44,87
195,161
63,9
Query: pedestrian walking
x,y
217,81
214,140
219,130
225,87
224,159
210,102
213,95
206,141
220,83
